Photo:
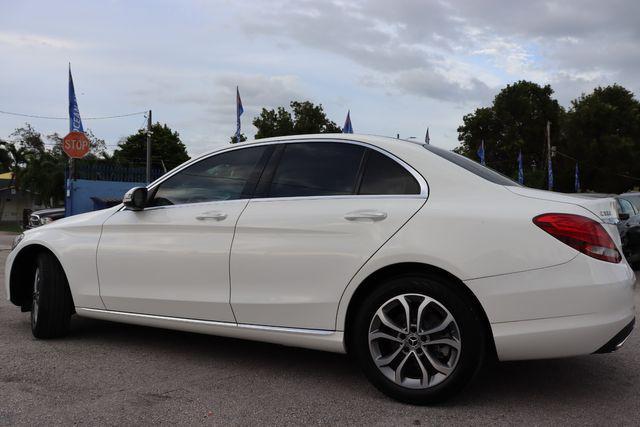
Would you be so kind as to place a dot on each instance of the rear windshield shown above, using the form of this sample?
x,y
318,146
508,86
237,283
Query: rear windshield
x,y
473,167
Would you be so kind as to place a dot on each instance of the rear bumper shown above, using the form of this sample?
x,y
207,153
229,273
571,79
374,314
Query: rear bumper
x,y
575,308
618,341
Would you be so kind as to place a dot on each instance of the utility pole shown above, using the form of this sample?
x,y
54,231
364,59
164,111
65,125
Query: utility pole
x,y
149,147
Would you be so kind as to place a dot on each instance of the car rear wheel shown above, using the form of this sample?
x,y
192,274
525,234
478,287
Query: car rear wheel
x,y
417,340
51,305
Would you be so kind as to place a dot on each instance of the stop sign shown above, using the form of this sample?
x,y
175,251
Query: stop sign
x,y
76,145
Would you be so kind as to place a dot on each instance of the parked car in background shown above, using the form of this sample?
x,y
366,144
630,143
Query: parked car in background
x,y
628,225
344,243
634,198
44,216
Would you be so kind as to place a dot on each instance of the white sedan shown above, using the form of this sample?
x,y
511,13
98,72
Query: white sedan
x,y
418,262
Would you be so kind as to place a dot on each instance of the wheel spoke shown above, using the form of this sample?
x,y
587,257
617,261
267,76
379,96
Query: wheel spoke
x,y
384,361
383,335
388,322
425,375
407,310
400,367
421,308
446,341
441,327
436,364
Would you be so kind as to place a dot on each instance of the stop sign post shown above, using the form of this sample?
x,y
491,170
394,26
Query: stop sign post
x,y
76,145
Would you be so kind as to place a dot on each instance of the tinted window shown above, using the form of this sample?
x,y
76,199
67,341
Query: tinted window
x,y
220,177
383,175
625,206
473,167
634,199
317,169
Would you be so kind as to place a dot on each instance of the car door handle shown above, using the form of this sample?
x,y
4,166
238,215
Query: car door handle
x,y
211,216
365,215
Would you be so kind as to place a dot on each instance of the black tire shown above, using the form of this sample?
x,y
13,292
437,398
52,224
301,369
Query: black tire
x,y
468,327
52,304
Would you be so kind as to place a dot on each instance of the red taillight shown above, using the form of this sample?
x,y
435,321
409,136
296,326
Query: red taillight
x,y
581,233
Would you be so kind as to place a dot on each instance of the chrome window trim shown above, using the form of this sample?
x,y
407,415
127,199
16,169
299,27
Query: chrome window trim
x,y
424,186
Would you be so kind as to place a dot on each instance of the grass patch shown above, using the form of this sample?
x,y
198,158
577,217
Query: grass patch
x,y
11,227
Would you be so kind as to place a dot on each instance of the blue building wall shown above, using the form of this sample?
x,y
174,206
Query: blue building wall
x,y
83,190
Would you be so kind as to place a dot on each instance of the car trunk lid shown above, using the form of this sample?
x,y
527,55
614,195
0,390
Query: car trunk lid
x,y
602,207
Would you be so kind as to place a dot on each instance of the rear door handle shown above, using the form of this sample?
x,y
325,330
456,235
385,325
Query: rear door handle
x,y
211,216
365,215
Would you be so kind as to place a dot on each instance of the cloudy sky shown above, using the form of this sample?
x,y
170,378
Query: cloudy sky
x,y
399,66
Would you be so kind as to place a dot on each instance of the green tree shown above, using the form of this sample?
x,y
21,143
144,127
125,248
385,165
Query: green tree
x,y
307,118
37,170
28,139
44,178
516,121
602,131
166,148
6,158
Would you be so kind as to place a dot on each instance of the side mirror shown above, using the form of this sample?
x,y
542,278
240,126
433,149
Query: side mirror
x,y
623,216
135,199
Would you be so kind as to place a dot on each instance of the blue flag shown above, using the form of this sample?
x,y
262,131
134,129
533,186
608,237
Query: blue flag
x,y
577,179
520,171
239,111
481,153
75,123
550,175
347,124
427,140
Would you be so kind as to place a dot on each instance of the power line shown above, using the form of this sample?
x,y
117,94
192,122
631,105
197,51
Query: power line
x,y
35,116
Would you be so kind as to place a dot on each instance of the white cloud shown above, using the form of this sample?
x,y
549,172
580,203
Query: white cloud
x,y
19,40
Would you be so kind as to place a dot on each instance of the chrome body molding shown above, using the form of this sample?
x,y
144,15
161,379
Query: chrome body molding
x,y
315,339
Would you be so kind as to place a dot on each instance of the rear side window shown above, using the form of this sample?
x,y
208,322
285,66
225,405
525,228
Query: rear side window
x,y
317,169
383,175
473,167
224,176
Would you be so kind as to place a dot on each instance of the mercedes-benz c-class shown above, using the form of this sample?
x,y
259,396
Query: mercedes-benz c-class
x,y
418,262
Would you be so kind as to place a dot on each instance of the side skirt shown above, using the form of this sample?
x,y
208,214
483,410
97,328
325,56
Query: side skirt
x,y
315,339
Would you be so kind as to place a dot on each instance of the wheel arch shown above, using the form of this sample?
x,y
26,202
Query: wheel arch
x,y
22,269
377,277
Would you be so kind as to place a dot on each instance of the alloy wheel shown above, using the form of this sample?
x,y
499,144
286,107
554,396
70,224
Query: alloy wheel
x,y
414,341
35,305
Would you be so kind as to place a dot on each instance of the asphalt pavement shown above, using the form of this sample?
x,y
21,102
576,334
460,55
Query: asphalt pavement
x,y
116,374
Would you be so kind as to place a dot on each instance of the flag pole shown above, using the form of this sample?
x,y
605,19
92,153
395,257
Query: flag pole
x,y
149,148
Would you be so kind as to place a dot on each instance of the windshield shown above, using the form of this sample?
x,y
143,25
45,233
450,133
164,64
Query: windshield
x,y
473,167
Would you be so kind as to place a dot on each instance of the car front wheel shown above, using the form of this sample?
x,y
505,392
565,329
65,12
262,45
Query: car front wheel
x,y
417,340
51,305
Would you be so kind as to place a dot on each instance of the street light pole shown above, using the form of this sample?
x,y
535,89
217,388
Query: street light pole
x,y
149,147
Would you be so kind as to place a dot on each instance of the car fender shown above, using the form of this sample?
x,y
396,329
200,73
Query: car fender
x,y
499,229
74,242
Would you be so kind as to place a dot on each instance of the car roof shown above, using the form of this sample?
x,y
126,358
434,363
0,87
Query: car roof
x,y
441,171
377,140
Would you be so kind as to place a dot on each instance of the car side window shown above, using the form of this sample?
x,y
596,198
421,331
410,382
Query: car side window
x,y
224,176
626,207
383,175
317,169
